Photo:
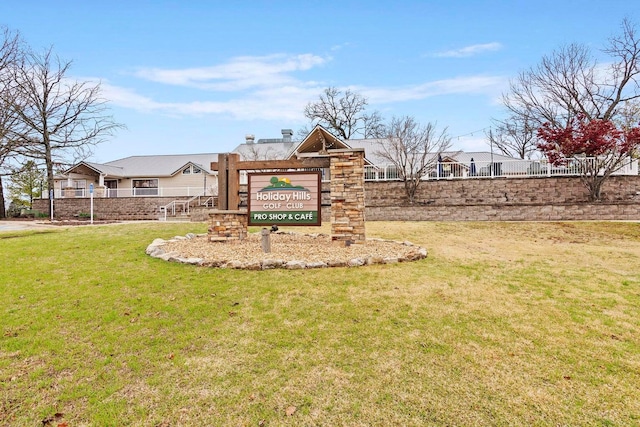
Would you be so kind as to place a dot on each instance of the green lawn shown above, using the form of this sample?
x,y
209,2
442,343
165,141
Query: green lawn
x,y
513,324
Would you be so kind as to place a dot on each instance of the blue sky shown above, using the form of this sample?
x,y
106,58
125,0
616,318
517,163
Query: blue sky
x,y
196,76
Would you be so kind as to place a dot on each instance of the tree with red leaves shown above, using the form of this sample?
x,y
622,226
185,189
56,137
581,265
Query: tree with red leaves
x,y
596,147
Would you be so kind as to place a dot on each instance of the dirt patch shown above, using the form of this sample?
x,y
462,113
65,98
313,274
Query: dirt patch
x,y
31,222
75,223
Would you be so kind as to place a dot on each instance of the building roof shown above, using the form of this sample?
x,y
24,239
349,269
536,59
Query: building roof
x,y
371,148
265,150
163,165
283,148
106,169
149,166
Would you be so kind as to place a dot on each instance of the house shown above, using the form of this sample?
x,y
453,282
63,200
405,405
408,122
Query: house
x,y
189,175
163,175
180,176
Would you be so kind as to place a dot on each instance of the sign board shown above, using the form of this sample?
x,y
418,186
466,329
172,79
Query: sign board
x,y
284,198
91,188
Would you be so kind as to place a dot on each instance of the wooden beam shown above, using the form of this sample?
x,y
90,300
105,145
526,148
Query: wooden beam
x,y
233,182
223,181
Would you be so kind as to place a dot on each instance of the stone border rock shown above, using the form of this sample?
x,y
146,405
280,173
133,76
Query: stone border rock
x,y
156,250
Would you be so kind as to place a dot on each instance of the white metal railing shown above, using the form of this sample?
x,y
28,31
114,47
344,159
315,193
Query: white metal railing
x,y
136,192
172,207
73,192
503,168
184,206
208,201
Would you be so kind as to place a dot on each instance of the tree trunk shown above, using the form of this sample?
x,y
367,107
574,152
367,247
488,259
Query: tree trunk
x,y
410,190
49,164
3,211
595,188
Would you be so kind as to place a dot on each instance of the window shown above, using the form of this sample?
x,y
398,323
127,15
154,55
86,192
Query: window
x,y
370,173
191,169
80,185
77,186
145,187
393,173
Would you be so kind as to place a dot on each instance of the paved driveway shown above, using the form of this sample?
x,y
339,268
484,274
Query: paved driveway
x,y
21,225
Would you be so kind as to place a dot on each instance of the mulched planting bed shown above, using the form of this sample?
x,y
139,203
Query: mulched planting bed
x,y
288,250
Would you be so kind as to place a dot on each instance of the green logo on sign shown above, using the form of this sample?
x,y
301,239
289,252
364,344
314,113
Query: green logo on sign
x,y
282,184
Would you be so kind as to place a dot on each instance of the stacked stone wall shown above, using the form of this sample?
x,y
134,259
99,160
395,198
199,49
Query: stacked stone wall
x,y
117,208
513,199
499,191
564,212
524,199
227,225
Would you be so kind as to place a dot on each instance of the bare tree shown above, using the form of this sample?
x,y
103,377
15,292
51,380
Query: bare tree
x,y
343,113
515,137
627,115
7,147
302,133
257,151
60,119
570,82
373,125
10,52
413,150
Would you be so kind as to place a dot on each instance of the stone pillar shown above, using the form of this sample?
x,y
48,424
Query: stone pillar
x,y
225,226
347,196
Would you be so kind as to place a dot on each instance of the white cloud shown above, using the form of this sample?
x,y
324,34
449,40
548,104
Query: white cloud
x,y
472,50
460,85
286,103
128,98
263,88
240,73
281,103
340,46
244,88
